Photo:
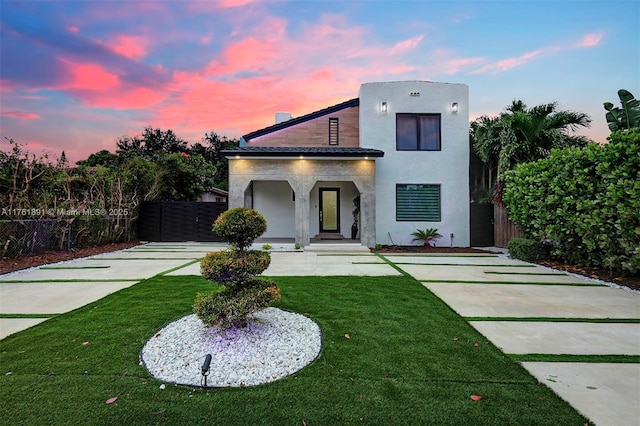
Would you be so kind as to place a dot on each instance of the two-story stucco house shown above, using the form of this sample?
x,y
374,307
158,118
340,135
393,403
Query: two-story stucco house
x,y
400,148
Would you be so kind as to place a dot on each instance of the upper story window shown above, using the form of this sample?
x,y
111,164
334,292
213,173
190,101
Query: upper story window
x,y
333,131
418,132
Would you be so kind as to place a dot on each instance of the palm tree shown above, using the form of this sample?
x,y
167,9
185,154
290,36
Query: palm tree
x,y
429,236
521,134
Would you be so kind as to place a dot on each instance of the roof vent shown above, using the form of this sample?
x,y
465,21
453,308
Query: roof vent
x,y
282,116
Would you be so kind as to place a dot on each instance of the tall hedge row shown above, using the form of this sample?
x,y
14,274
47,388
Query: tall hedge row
x,y
584,201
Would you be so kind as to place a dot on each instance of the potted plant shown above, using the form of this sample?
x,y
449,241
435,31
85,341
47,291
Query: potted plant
x,y
355,212
429,236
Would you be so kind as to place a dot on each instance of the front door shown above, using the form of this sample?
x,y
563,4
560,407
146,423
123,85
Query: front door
x,y
330,210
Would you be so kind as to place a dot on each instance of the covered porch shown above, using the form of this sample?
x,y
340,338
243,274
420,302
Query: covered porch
x,y
307,196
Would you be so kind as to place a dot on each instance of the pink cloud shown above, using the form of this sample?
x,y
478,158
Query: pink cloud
x,y
590,40
238,90
133,47
233,3
89,77
213,5
20,115
508,63
98,87
406,45
73,29
246,54
126,98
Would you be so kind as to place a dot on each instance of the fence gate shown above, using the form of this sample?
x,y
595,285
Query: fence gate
x,y
178,220
481,225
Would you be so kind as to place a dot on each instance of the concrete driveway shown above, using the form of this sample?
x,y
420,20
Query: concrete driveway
x,y
522,308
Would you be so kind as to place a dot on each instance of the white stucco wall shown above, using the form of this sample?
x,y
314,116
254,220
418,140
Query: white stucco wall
x,y
274,200
448,167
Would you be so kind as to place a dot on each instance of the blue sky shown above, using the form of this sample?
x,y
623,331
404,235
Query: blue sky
x,y
76,75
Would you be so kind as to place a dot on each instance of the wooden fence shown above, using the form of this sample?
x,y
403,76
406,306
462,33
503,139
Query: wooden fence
x,y
503,229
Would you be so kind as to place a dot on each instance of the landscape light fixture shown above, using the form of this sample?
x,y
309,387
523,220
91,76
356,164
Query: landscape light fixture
x,y
454,108
205,370
383,107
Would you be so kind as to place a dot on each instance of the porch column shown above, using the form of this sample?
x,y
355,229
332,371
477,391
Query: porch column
x,y
302,212
368,218
238,184
237,188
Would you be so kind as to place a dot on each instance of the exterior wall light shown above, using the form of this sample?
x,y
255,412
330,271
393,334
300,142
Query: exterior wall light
x,y
383,107
454,108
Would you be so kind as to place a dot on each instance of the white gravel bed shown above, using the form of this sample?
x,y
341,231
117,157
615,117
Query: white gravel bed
x,y
277,344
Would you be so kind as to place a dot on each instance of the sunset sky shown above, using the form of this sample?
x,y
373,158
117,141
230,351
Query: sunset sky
x,y
76,75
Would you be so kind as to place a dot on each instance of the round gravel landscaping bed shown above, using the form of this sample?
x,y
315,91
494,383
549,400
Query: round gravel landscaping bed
x,y
275,345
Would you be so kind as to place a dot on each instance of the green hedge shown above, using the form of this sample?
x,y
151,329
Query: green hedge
x,y
586,201
528,249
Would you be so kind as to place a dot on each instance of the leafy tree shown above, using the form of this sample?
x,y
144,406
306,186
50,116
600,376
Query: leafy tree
x,y
626,117
522,134
23,177
151,143
184,177
212,145
100,158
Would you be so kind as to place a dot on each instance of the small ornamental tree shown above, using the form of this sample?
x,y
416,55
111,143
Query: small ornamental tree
x,y
235,270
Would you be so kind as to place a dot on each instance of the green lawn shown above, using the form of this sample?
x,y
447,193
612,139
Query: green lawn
x,y
399,366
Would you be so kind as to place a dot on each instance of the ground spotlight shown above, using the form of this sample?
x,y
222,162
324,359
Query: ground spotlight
x,y
205,369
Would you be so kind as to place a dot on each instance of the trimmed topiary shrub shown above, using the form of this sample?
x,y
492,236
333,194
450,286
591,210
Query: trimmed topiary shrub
x,y
240,226
231,268
230,308
235,270
527,249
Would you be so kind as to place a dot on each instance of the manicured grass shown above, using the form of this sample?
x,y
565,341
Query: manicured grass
x,y
28,315
401,364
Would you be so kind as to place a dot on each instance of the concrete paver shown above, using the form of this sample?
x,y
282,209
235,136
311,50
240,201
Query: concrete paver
x,y
489,259
83,269
292,264
318,263
608,394
491,274
525,300
13,325
579,338
54,298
